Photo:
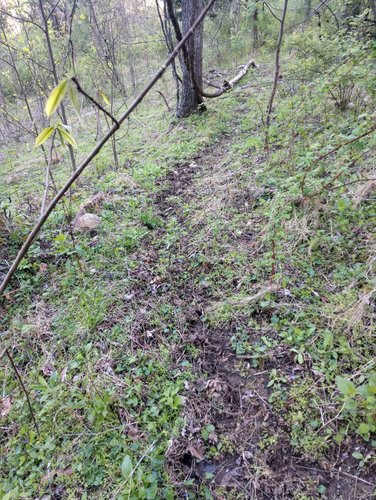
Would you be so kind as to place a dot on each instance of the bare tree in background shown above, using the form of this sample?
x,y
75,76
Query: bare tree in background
x,y
276,73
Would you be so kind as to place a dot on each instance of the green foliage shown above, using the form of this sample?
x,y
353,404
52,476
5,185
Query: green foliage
x,y
104,332
65,136
44,135
359,403
56,96
104,97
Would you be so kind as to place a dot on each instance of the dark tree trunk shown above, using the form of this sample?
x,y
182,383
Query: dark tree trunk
x,y
255,28
308,7
372,4
190,100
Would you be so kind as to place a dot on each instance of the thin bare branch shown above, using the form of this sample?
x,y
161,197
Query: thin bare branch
x,y
271,11
276,73
18,375
91,99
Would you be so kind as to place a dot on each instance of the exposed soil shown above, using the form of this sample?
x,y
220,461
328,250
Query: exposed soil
x,y
227,392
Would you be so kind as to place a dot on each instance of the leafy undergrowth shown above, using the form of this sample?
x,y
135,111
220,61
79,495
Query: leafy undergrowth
x,y
215,335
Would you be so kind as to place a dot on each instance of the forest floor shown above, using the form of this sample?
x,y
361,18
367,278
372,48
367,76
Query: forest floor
x,y
193,351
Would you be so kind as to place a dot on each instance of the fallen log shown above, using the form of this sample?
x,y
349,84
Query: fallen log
x,y
226,86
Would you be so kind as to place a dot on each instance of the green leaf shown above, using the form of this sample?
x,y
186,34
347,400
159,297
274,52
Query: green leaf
x,y
73,96
61,137
56,96
328,339
346,387
42,381
321,489
65,136
104,97
342,204
44,135
206,431
357,455
351,405
364,429
12,494
126,466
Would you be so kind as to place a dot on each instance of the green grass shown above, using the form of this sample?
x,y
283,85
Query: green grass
x,y
98,330
101,398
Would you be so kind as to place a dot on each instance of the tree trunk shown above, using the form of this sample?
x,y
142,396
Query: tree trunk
x,y
308,7
190,100
255,29
372,4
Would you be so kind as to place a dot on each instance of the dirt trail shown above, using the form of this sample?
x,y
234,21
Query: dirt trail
x,y
232,406
226,409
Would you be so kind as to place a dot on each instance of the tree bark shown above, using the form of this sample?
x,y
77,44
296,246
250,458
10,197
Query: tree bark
x,y
308,7
191,100
372,4
276,73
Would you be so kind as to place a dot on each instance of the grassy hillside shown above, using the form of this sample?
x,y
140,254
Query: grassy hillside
x,y
214,336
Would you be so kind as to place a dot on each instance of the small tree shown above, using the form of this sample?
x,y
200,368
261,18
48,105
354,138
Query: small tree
x,y
191,100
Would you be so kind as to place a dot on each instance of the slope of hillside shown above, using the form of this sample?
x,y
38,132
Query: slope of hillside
x,y
214,336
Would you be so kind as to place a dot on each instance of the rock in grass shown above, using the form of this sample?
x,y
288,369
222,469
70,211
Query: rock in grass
x,y
87,221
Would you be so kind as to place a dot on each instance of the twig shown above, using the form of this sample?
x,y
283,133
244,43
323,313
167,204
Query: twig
x,y
23,387
248,300
95,102
165,100
358,372
314,13
357,478
116,492
48,170
331,420
272,13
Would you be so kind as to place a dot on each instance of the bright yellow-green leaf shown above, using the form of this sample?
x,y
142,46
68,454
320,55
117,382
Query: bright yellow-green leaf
x,y
104,97
61,137
44,135
56,96
73,96
65,136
